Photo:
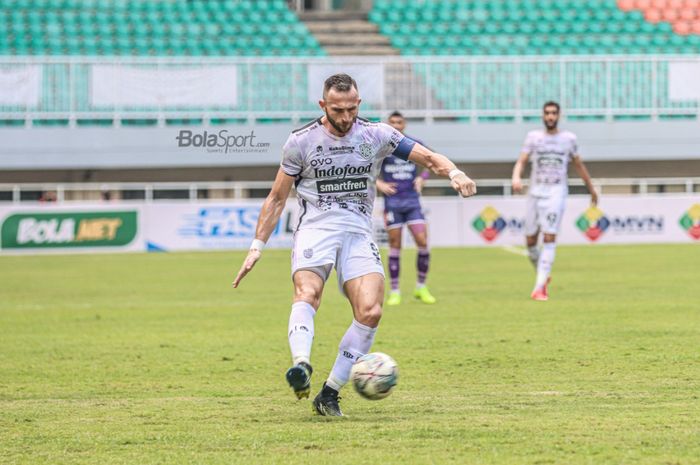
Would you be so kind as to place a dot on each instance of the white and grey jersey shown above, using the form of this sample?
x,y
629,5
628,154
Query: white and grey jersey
x,y
335,176
549,155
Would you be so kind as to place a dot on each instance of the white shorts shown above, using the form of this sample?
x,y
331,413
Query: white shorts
x,y
352,254
544,214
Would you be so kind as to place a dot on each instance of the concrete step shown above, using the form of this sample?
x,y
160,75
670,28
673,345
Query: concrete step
x,y
360,50
351,39
347,33
310,16
342,27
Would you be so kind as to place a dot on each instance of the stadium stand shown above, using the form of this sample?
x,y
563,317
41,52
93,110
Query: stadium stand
x,y
472,59
136,28
539,27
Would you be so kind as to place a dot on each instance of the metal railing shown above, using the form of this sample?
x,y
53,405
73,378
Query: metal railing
x,y
469,88
222,191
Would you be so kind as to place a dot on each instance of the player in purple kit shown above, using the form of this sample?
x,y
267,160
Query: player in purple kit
x,y
401,186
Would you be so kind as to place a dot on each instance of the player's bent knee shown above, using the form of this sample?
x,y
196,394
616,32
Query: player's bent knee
x,y
371,315
550,238
309,294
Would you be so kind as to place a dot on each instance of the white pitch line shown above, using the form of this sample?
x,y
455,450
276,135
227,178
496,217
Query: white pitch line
x,y
514,250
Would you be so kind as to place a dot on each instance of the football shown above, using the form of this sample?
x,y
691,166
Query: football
x,y
374,375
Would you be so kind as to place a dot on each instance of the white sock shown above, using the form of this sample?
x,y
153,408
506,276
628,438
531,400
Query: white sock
x,y
533,253
544,265
301,331
357,341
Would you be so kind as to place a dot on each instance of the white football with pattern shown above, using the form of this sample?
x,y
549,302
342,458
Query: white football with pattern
x,y
374,375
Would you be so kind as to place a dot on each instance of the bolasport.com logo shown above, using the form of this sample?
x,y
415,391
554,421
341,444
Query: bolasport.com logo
x,y
690,221
222,141
593,223
489,223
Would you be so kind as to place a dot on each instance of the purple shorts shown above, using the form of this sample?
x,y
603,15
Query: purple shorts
x,y
397,217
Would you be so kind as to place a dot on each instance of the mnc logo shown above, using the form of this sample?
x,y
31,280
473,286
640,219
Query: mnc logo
x,y
690,221
489,223
593,223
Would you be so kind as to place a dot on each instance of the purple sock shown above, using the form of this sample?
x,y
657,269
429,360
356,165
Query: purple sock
x,y
394,257
423,263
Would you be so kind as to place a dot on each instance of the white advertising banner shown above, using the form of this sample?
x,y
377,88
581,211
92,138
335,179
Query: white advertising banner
x,y
684,81
112,85
369,78
41,228
452,222
20,86
206,226
499,221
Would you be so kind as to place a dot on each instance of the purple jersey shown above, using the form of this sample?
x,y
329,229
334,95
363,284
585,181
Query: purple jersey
x,y
403,174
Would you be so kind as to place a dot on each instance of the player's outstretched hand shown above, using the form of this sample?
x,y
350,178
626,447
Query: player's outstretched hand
x,y
464,185
594,198
248,264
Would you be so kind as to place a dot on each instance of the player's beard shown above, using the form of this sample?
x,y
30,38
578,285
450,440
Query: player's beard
x,y
337,127
551,126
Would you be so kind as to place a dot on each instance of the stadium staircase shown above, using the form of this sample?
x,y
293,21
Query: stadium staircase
x,y
347,33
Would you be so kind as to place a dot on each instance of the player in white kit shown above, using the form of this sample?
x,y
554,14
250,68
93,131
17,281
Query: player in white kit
x,y
334,162
549,151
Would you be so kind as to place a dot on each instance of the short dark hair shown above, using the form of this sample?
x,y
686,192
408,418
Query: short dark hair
x,y
551,103
396,114
340,82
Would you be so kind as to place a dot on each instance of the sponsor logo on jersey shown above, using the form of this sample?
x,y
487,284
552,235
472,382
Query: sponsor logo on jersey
x,y
341,185
690,221
396,137
341,149
69,229
399,170
340,172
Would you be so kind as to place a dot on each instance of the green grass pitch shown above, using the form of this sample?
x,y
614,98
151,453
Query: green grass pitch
x,y
155,359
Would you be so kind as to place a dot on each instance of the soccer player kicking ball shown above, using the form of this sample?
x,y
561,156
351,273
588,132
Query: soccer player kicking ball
x,y
549,151
334,162
402,187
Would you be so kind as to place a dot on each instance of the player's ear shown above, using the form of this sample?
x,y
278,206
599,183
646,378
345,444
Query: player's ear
x,y
322,104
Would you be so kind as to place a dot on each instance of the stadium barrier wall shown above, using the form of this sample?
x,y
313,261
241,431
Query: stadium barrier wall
x,y
482,221
119,88
261,144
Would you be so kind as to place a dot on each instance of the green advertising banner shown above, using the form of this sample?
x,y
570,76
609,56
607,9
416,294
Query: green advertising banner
x,y
69,229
